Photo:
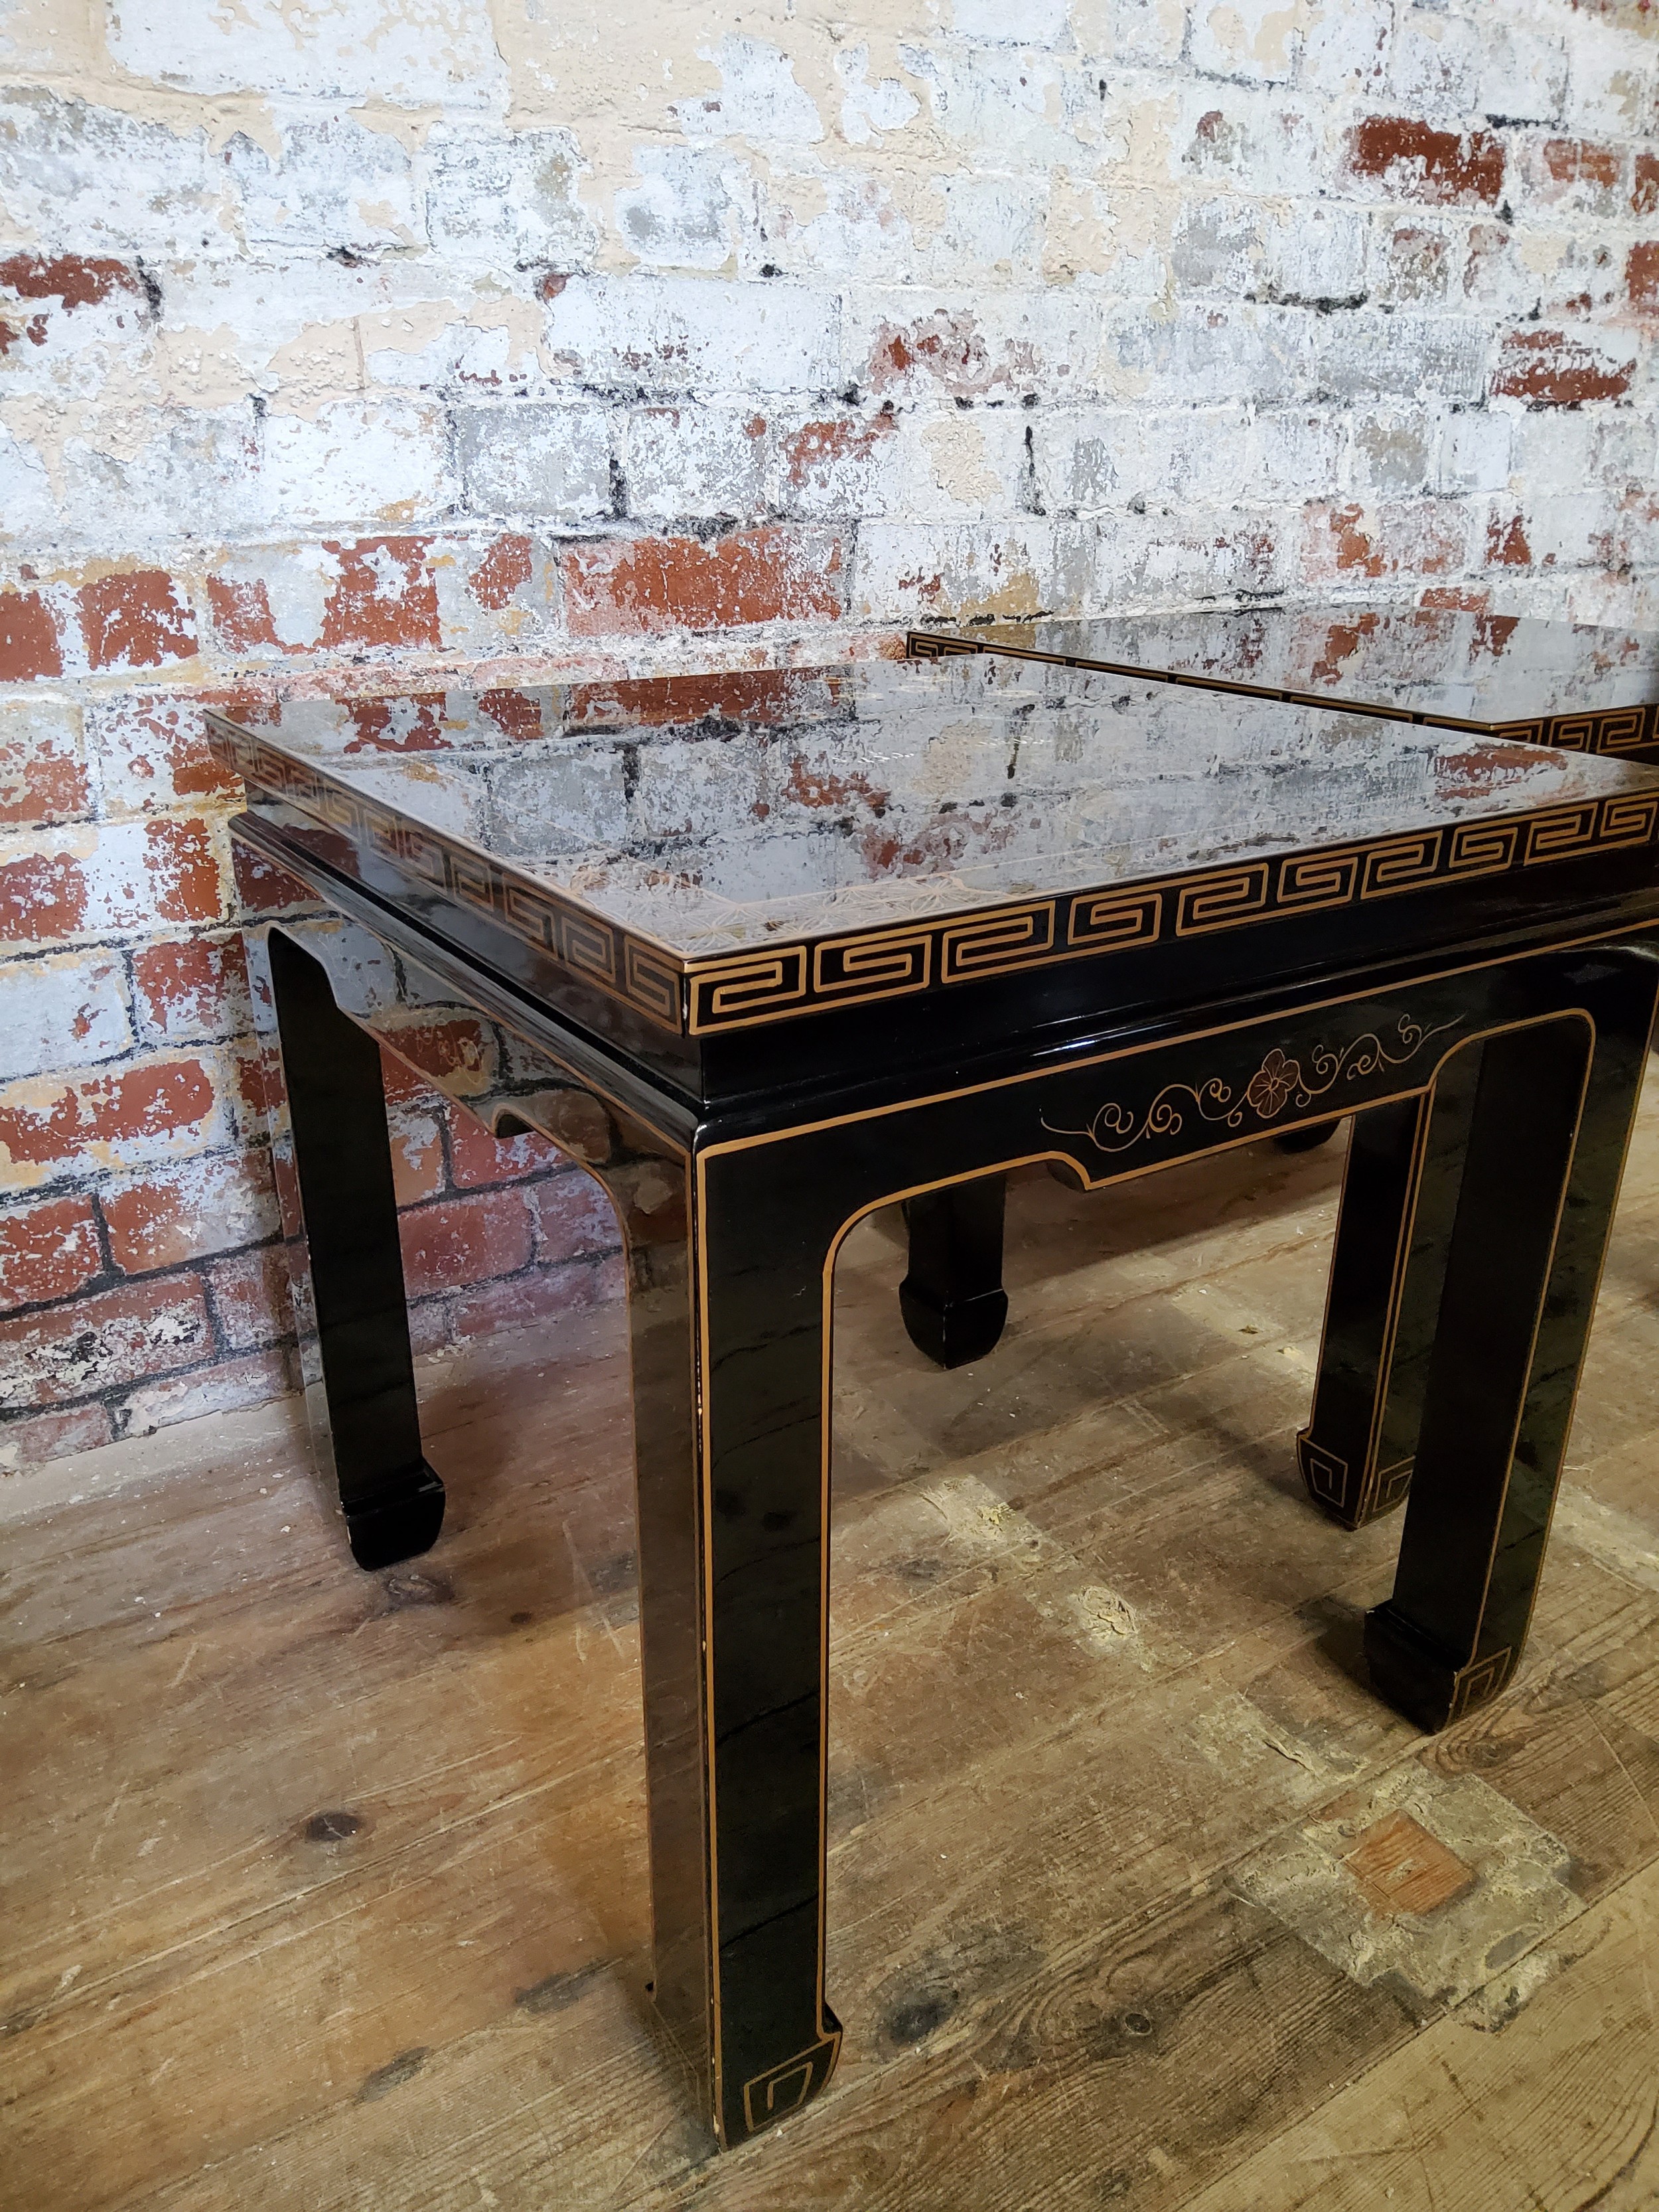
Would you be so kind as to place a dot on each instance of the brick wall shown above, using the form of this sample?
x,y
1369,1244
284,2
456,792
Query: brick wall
x,y
511,341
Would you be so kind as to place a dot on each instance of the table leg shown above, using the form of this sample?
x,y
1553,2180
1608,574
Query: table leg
x,y
1399,1190
1549,1128
952,1299
348,1271
734,1565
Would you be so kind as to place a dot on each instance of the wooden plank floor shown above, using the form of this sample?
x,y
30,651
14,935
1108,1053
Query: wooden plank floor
x,y
328,1891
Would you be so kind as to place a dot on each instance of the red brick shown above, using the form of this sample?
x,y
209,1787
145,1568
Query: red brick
x,y
1418,162
74,279
53,1436
1416,537
1551,369
384,595
97,1343
1506,542
755,695
210,1206
43,898
28,639
250,1295
1641,276
457,1056
258,1083
515,713
191,988
946,348
651,584
458,1242
412,723
263,887
1466,599
135,621
47,1251
817,450
1644,189
43,777
98,1120
184,872
535,1296
226,1387
477,1158
1584,170
574,1218
240,608
505,568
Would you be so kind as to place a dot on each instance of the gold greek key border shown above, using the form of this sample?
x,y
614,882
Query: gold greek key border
x,y
779,981
636,969
738,993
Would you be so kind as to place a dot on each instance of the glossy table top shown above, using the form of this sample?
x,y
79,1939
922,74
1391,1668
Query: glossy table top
x,y
939,821
1491,672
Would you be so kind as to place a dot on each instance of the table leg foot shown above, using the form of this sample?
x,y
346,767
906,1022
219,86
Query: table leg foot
x,y
1420,1679
1350,1496
399,1525
952,1300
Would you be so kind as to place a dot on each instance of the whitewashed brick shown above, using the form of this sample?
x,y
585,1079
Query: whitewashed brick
x,y
173,471
909,572
65,1009
1364,355
1393,452
683,334
1611,78
695,461
1104,459
550,463
1208,356
681,214
1523,75
963,345
1258,41
1437,64
442,51
1294,453
1152,560
1475,451
1264,139
1347,46
58,155
505,200
357,462
335,185
758,98
1012,22
1013,109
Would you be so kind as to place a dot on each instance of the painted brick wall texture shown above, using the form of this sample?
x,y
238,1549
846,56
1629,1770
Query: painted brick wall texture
x,y
407,337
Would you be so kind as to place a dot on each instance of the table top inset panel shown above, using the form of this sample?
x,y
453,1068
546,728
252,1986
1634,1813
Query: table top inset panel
x,y
719,818
1478,670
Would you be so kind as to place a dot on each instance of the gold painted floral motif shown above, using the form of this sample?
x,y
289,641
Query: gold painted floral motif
x,y
1278,1083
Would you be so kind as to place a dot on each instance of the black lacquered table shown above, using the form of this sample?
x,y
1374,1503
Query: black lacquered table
x,y
1572,685
819,940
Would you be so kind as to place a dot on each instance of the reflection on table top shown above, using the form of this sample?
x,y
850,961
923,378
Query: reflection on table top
x,y
714,814
1479,669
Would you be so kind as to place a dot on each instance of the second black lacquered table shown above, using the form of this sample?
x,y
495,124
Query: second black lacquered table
x,y
1573,684
819,940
